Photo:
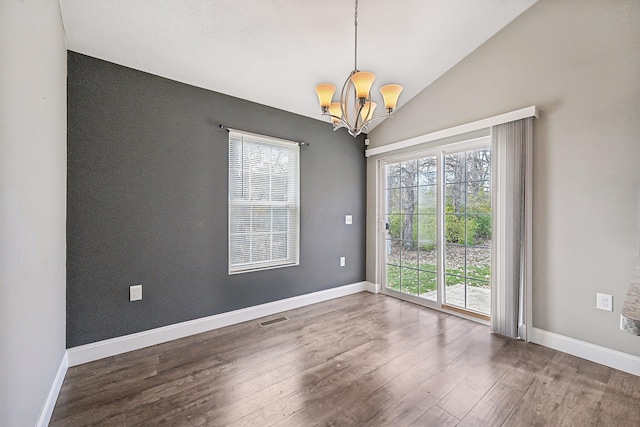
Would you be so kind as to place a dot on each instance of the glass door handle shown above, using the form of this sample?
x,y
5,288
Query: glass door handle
x,y
384,226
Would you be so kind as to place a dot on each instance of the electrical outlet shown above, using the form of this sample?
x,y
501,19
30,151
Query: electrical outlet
x,y
348,219
342,261
135,293
604,302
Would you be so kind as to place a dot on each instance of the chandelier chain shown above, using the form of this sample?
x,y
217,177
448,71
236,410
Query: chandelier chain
x,y
355,24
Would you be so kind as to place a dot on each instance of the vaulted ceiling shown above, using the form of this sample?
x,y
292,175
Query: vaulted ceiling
x,y
274,52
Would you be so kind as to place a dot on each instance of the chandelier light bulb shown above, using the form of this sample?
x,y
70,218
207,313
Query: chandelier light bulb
x,y
335,110
390,94
367,111
363,80
325,93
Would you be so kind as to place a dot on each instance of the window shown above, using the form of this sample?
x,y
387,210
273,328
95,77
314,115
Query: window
x,y
263,202
438,223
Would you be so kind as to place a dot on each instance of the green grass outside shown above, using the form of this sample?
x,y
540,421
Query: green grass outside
x,y
417,282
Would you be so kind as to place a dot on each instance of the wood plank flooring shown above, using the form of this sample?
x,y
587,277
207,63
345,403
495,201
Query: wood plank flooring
x,y
361,360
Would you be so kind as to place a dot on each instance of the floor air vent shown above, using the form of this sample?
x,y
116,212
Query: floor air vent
x,y
272,321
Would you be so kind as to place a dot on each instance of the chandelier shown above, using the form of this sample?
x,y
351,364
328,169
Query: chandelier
x,y
355,109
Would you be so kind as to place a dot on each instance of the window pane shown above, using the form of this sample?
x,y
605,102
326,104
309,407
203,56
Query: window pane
x,y
408,255
394,252
428,285
393,277
427,230
281,160
260,248
479,263
479,296
427,199
409,281
428,258
235,154
454,290
479,165
455,228
409,230
479,197
236,189
258,187
240,222
279,246
281,219
240,252
260,219
393,175
256,158
454,197
409,200
427,171
280,188
394,197
455,259
395,226
409,173
479,230
454,167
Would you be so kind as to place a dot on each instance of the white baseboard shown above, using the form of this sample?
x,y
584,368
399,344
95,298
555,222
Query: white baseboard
x,y
111,347
374,288
54,391
595,353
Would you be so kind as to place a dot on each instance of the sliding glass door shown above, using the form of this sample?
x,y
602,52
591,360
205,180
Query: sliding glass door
x,y
467,225
411,224
437,228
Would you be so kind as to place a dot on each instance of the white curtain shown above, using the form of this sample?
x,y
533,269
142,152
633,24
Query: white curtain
x,y
512,148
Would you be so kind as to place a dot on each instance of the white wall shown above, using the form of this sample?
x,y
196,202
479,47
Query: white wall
x,y
579,62
32,206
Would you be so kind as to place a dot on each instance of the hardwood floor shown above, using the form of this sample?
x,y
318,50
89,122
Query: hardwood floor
x,y
361,360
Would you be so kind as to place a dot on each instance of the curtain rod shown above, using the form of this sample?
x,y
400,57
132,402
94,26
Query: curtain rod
x,y
511,116
228,129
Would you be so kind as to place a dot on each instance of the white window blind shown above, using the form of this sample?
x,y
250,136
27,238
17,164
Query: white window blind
x,y
263,203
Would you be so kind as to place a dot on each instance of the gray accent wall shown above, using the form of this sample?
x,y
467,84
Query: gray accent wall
x,y
33,63
579,62
147,202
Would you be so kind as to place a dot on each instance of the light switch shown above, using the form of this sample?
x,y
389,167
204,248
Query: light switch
x,y
348,219
135,293
604,302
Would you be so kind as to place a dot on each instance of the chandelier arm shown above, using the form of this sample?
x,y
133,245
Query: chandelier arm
x,y
341,122
375,118
340,125
343,103
360,108
344,98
